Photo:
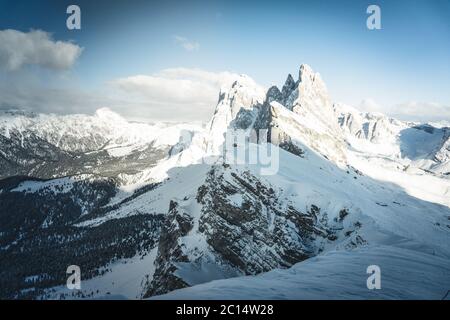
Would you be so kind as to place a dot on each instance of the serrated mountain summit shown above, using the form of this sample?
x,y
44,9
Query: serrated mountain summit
x,y
158,211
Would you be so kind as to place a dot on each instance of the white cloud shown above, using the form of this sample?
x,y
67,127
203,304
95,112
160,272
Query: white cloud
x,y
189,94
224,78
39,98
36,47
421,111
187,44
177,94
410,111
370,105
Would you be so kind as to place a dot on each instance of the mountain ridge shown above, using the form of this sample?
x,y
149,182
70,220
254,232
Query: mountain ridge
x,y
345,181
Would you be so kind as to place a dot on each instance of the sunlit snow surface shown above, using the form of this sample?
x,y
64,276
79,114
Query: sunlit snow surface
x,y
407,238
389,175
405,274
123,280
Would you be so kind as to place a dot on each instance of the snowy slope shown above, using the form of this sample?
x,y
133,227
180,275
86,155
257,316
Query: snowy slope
x,y
361,202
104,130
405,274
124,279
393,143
375,213
350,190
51,146
82,133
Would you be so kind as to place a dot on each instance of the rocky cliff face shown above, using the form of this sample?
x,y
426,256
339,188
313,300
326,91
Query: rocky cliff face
x,y
301,114
236,109
237,224
241,224
98,190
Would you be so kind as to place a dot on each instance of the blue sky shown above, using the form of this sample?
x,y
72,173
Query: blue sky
x,y
408,60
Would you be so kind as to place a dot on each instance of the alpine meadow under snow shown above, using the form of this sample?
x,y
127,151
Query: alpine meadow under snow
x,y
161,211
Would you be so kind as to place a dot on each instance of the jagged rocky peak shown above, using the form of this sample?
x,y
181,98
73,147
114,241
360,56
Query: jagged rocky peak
x,y
311,100
309,92
312,90
239,99
289,86
307,74
273,94
308,95
244,93
303,113
283,96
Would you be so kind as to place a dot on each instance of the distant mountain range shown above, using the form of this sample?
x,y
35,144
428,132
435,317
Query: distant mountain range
x,y
160,211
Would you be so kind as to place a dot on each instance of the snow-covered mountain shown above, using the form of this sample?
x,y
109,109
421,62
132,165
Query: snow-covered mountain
x,y
146,210
49,146
415,145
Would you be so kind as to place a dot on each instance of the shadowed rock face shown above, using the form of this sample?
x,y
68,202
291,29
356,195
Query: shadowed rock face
x,y
301,114
236,223
177,224
266,119
245,226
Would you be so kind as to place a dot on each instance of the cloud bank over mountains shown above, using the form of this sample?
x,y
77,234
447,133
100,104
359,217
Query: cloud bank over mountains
x,y
410,111
187,93
173,94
